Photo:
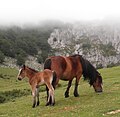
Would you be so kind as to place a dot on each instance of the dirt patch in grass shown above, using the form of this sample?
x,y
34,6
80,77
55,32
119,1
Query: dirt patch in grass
x,y
112,112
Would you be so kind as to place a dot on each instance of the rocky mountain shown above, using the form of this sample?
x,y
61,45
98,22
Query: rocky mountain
x,y
99,42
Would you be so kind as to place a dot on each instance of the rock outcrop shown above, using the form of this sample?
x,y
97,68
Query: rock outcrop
x,y
97,42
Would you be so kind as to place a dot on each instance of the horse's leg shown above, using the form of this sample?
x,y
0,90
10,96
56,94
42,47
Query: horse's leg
x,y
76,87
48,99
51,93
34,96
47,92
37,94
67,91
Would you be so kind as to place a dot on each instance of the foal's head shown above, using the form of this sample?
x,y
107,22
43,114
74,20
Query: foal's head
x,y
22,73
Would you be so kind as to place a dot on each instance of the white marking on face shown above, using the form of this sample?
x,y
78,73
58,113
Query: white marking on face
x,y
19,72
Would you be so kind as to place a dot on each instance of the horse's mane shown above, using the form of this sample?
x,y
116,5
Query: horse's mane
x,y
89,71
32,69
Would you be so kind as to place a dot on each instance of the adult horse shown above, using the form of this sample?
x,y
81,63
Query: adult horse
x,y
36,79
68,68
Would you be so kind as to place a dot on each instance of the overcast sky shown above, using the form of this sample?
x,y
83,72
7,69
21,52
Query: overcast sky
x,y
34,11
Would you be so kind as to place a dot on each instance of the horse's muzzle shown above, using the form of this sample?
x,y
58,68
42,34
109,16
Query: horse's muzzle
x,y
99,91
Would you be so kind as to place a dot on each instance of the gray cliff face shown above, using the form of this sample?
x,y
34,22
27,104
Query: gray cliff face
x,y
97,42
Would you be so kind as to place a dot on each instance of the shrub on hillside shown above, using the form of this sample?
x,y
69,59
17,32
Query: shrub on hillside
x,y
20,60
10,95
2,57
113,65
99,66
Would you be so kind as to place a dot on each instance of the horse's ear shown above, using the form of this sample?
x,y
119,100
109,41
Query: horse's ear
x,y
99,74
23,66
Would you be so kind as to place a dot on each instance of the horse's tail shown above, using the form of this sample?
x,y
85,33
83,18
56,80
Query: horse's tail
x,y
47,64
54,79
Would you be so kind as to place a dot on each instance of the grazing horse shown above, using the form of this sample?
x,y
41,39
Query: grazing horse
x,y
68,68
38,78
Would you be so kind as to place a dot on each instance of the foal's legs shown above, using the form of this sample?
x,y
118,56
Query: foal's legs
x,y
51,93
50,97
34,96
68,88
47,92
47,89
37,94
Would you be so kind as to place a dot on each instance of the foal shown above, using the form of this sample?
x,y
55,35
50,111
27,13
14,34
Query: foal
x,y
38,78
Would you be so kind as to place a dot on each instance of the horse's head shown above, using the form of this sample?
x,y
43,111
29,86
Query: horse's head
x,y
97,85
21,73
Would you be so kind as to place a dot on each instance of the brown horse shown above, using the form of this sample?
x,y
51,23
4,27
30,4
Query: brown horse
x,y
38,78
75,66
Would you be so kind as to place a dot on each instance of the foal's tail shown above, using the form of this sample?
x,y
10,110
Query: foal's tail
x,y
54,79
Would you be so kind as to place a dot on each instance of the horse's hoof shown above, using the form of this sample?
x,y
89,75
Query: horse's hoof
x,y
76,95
47,104
33,106
66,94
38,103
52,104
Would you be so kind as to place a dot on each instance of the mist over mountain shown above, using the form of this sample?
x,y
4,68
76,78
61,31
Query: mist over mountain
x,y
96,40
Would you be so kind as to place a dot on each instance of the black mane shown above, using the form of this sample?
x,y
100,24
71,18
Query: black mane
x,y
89,71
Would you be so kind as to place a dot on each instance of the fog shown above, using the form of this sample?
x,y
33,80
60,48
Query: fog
x,y
21,12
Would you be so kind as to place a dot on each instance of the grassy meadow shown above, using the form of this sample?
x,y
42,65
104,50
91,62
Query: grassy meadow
x,y
16,99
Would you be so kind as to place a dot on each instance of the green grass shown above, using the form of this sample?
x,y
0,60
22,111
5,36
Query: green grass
x,y
89,104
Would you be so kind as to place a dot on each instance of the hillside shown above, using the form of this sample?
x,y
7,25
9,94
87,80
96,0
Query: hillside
x,y
20,42
89,104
